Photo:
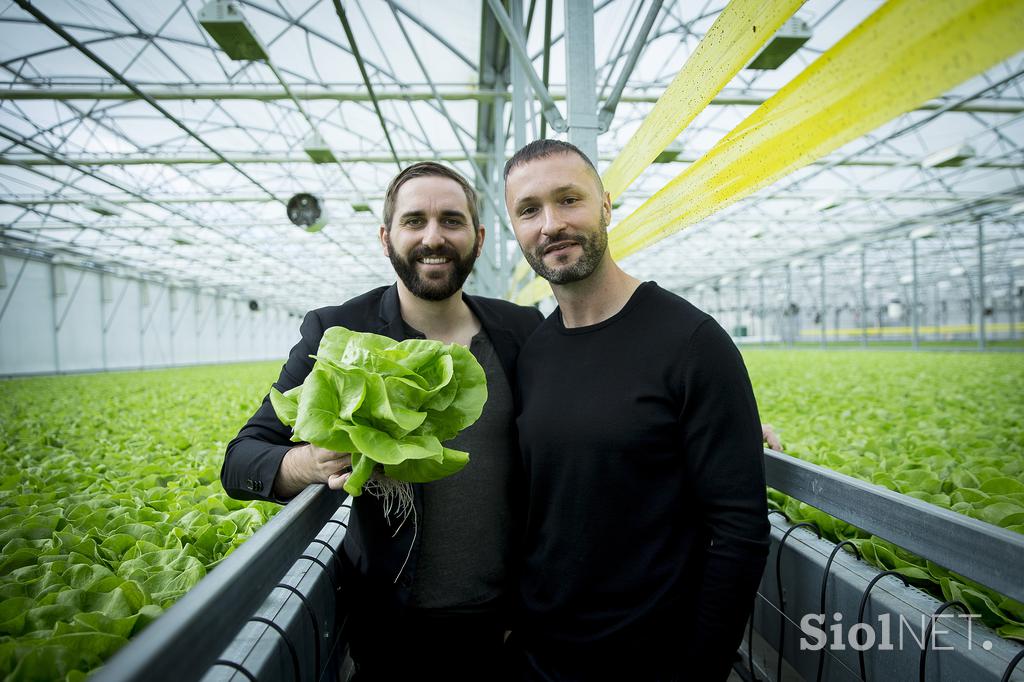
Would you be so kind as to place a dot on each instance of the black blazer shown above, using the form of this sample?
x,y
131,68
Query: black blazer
x,y
254,456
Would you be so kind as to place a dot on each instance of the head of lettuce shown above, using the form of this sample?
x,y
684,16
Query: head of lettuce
x,y
390,403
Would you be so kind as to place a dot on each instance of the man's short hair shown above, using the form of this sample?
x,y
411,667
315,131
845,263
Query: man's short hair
x,y
542,149
425,169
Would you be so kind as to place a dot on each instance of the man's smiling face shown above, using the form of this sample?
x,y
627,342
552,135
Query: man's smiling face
x,y
432,242
560,216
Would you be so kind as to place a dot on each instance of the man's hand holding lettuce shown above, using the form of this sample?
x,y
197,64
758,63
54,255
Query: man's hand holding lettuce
x,y
389,403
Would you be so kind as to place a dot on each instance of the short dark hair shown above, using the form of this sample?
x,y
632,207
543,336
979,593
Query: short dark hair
x,y
425,169
541,149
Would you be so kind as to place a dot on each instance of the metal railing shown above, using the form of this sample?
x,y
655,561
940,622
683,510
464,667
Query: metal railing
x,y
977,550
191,636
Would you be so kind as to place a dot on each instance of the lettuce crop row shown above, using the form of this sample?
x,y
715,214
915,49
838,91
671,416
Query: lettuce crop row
x,y
944,428
111,506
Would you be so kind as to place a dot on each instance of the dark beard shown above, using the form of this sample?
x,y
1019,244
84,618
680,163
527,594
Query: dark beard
x,y
431,289
593,245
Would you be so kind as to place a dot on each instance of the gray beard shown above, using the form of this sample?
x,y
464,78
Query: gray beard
x,y
594,247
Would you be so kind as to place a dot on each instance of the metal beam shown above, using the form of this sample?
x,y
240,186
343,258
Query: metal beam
x,y
71,40
366,78
608,110
434,34
348,92
515,42
810,218
968,212
454,156
581,76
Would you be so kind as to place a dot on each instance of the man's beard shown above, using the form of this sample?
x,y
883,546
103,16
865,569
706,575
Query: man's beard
x,y
593,246
444,284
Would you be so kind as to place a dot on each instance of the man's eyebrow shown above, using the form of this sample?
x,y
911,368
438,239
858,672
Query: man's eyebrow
x,y
448,213
571,187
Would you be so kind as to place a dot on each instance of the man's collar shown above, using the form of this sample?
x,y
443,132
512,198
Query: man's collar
x,y
390,307
391,312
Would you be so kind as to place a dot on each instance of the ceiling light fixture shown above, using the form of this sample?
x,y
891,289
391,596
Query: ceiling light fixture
x,y
787,40
226,24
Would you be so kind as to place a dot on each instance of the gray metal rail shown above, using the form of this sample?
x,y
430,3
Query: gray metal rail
x,y
977,550
186,640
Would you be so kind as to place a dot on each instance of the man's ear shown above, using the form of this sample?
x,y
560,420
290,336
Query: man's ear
x,y
384,240
606,207
481,232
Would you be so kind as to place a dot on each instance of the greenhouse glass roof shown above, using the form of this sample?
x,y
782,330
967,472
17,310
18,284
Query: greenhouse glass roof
x,y
131,142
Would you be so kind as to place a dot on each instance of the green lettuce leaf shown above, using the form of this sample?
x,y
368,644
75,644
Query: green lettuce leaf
x,y
391,404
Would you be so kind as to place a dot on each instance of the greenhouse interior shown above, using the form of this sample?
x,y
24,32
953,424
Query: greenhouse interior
x,y
839,184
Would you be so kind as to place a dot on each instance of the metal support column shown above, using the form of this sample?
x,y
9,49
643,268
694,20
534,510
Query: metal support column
x,y
57,290
739,309
1013,306
105,300
824,313
863,298
788,311
581,78
762,330
518,81
914,315
498,276
981,287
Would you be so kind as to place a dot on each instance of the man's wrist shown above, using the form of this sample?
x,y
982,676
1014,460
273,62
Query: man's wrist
x,y
290,481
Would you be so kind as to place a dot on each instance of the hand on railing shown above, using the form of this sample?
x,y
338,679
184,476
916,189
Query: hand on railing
x,y
770,438
307,464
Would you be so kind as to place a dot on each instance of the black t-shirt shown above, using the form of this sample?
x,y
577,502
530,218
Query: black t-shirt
x,y
647,521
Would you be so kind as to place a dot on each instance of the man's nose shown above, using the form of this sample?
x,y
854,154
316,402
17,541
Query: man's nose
x,y
432,236
551,222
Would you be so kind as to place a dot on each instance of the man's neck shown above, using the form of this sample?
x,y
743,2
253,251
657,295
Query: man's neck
x,y
596,298
449,320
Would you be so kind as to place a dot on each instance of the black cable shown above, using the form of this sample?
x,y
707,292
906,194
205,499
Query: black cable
x,y
860,613
327,570
928,634
287,641
316,626
750,629
235,666
824,587
331,549
778,584
1013,664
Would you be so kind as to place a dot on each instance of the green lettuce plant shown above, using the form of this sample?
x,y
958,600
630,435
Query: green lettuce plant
x,y
389,403
945,428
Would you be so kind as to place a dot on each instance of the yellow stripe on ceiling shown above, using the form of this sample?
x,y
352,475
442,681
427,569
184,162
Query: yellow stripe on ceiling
x,y
905,53
740,30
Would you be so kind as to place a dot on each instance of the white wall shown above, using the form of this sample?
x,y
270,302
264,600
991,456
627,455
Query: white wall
x,y
61,318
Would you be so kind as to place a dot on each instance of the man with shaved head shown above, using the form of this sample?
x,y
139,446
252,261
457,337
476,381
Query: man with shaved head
x,y
646,523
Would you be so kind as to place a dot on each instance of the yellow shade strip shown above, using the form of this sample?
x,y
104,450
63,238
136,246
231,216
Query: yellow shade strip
x,y
535,290
740,30
905,53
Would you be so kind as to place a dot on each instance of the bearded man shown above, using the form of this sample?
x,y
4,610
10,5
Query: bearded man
x,y
646,525
432,598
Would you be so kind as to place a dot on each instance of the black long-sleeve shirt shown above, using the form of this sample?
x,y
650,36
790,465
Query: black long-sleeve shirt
x,y
647,525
